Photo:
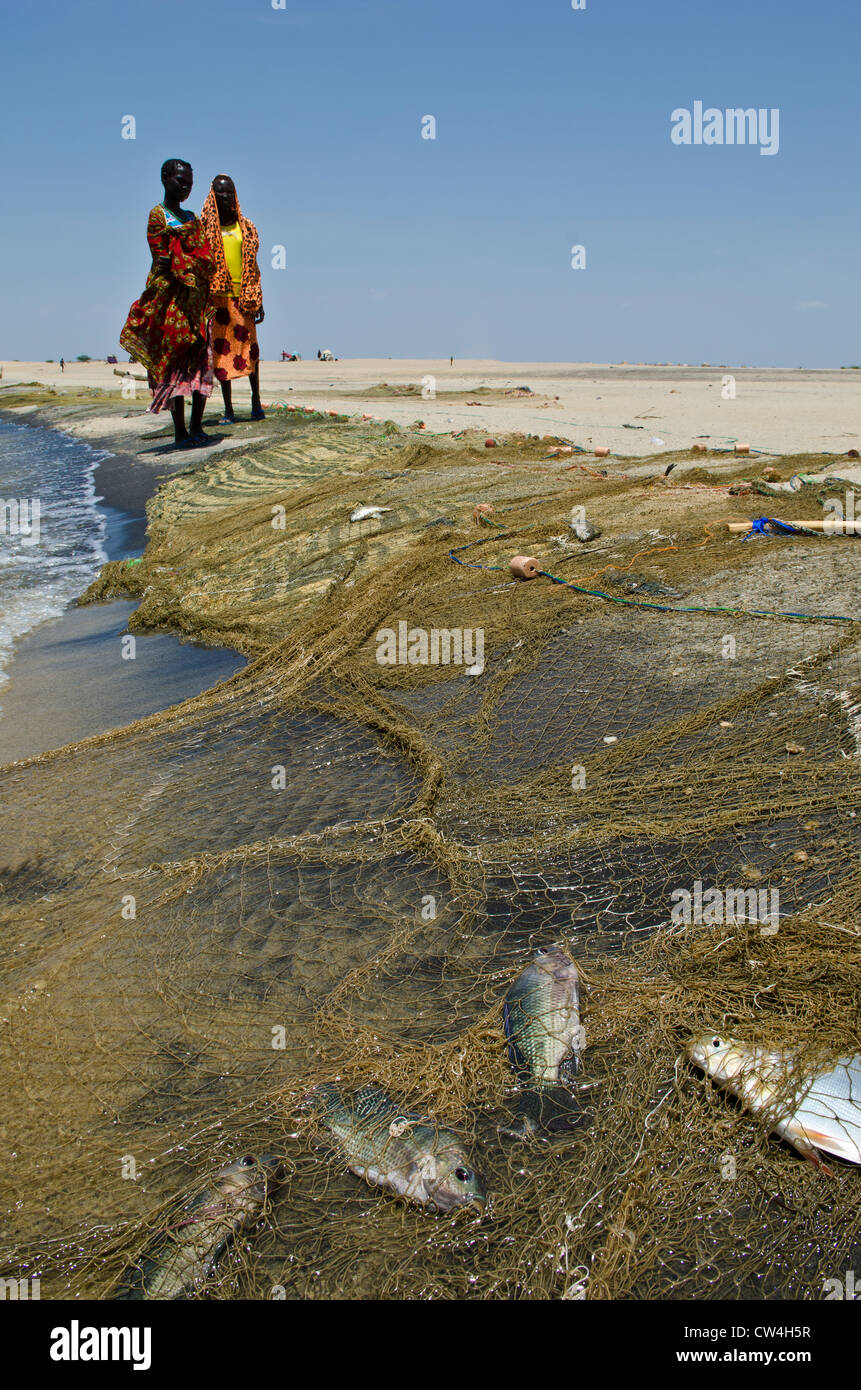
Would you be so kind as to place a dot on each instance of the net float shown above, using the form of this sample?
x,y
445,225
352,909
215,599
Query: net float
x,y
490,443
741,448
482,511
524,566
698,449
601,451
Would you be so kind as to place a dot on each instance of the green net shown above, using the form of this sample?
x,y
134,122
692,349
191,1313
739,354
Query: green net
x,y
333,867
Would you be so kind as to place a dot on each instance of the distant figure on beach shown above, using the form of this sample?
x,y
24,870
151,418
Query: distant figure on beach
x,y
167,329
236,294
62,364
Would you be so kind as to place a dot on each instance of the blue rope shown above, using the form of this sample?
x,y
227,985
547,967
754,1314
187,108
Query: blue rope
x,y
769,525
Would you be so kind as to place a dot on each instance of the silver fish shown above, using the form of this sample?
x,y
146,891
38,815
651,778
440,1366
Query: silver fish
x,y
812,1108
391,1147
585,530
542,1019
197,1232
369,513
541,1016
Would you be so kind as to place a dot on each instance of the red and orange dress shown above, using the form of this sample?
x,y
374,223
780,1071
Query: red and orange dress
x,y
167,329
236,295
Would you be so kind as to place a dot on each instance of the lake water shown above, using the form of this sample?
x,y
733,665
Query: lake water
x,y
52,533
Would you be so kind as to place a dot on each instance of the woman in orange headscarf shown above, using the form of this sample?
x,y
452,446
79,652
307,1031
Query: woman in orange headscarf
x,y
236,297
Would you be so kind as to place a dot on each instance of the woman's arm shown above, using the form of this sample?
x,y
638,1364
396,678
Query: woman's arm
x,y
157,236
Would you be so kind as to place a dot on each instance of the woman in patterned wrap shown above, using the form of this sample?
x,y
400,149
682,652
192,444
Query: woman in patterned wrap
x,y
236,295
167,329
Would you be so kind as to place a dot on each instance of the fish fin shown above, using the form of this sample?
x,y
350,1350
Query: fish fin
x,y
570,1068
515,1056
808,1150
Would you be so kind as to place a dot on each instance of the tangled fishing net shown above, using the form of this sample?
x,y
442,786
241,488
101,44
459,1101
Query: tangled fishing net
x,y
327,867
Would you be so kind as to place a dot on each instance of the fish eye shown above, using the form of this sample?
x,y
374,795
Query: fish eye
x,y
463,1174
248,1161
716,1042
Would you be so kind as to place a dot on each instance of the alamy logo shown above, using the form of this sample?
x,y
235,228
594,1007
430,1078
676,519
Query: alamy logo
x,y
76,1343
734,126
840,517
835,1288
414,646
718,906
19,1289
21,517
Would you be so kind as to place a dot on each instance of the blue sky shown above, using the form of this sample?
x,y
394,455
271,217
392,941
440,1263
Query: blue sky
x,y
553,129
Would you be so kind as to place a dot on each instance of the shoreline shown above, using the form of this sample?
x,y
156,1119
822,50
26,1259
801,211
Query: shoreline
x,y
67,679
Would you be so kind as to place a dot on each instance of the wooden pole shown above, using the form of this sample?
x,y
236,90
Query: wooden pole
x,y
830,525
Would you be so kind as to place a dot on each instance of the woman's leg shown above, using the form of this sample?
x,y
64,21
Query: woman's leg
x,y
177,410
227,396
254,379
198,404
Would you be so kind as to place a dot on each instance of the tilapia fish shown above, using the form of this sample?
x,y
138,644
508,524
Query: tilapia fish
x,y
542,1024
631,583
811,1108
390,1147
186,1250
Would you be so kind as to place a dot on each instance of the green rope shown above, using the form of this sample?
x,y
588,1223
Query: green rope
x,y
644,603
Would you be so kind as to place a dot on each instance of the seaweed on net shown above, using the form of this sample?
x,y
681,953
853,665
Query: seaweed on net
x,y
327,867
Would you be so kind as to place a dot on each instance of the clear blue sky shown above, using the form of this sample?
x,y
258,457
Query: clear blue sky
x,y
553,128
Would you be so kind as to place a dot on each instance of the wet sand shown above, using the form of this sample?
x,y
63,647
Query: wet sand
x,y
69,679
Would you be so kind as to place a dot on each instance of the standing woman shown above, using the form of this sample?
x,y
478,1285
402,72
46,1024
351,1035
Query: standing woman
x,y
167,329
237,298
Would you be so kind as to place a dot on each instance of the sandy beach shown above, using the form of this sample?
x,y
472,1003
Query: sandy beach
x,y
625,407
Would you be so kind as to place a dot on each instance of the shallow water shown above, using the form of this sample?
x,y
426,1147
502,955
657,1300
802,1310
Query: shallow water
x,y
63,676
52,533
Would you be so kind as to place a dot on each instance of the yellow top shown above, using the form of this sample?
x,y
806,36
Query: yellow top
x,y
232,238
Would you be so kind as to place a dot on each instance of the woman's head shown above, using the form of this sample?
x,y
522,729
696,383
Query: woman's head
x,y
225,197
177,178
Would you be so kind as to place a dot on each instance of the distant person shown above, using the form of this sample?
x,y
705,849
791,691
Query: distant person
x,y
236,294
319,355
62,365
167,329
451,361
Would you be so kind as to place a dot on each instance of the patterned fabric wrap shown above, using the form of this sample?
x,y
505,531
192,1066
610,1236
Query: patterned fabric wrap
x,y
167,328
250,291
234,339
191,373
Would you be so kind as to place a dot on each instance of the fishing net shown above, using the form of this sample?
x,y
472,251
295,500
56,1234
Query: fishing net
x,y
330,867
